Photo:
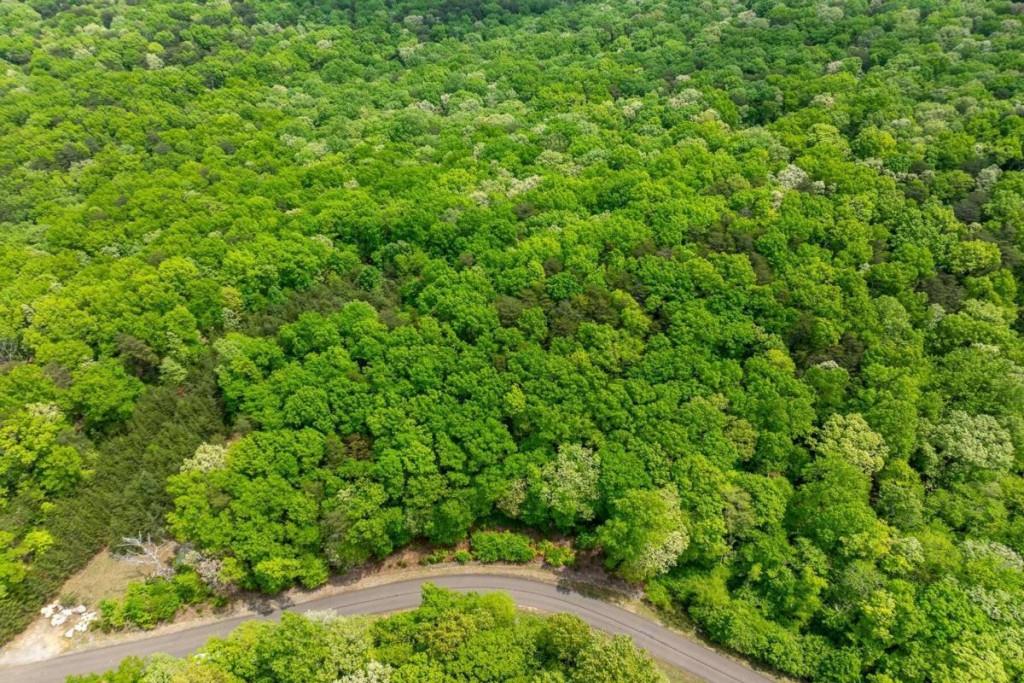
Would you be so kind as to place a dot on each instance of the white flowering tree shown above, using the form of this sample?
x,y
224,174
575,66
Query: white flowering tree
x,y
646,534
569,485
851,438
968,446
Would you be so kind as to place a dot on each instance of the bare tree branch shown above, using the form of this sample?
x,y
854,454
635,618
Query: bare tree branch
x,y
145,553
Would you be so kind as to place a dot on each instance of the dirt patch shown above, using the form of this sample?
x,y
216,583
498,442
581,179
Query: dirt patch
x,y
39,641
106,576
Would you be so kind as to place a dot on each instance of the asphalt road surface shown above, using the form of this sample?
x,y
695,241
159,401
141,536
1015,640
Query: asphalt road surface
x,y
662,643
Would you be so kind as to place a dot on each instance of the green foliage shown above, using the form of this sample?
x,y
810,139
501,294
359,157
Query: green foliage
x,y
727,291
556,555
103,393
739,624
147,604
357,525
41,461
613,660
449,637
646,534
37,461
501,546
13,557
435,557
125,496
257,500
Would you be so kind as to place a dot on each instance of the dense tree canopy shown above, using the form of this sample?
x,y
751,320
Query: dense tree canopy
x,y
727,290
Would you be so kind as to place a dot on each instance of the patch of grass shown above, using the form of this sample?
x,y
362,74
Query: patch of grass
x,y
677,675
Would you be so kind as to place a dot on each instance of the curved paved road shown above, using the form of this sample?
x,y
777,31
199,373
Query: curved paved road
x,y
661,642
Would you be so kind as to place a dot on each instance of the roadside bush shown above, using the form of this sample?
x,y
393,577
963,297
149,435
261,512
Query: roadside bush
x,y
502,546
557,555
277,573
435,557
148,603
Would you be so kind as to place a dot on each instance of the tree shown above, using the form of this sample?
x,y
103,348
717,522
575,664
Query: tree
x,y
968,446
901,495
35,456
359,525
614,660
645,535
445,260
569,485
256,509
103,393
832,508
851,438
565,637
145,553
14,556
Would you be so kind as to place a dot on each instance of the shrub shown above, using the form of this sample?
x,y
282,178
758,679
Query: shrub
x,y
144,605
557,555
436,557
148,603
190,587
463,556
277,573
502,546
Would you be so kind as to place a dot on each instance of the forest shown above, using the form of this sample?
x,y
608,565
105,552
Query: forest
x,y
725,291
